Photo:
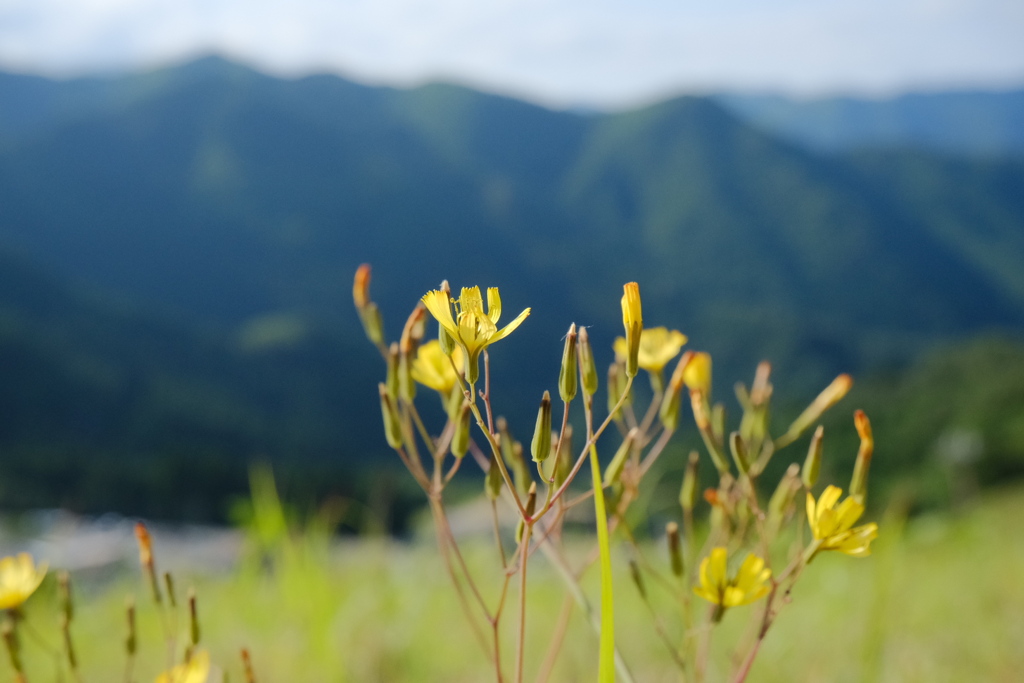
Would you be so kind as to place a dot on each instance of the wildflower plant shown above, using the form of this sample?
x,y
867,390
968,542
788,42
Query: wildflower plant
x,y
733,549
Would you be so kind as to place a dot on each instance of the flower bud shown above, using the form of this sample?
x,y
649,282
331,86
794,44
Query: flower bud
x,y
406,384
812,465
512,453
493,481
414,330
670,404
859,483
616,388
688,491
540,447
783,496
67,604
172,596
531,500
373,324
704,426
146,560
761,389
193,618
391,380
633,322
675,552
460,440
361,287
832,394
392,423
614,469
739,452
130,641
588,369
564,463
697,373
567,376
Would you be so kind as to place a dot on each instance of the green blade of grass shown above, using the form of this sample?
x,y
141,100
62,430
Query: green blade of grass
x,y
606,656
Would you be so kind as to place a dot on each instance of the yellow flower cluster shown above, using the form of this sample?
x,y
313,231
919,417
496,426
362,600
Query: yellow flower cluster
x,y
19,579
472,327
832,526
749,584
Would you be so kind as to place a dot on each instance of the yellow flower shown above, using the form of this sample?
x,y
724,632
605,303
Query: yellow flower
x,y
19,578
471,327
658,345
433,369
749,584
831,525
195,670
697,373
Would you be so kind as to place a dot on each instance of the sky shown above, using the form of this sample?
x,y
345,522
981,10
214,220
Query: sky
x,y
600,53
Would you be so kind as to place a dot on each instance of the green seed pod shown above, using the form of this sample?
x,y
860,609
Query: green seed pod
x,y
391,381
675,552
784,492
460,440
564,463
531,500
859,483
392,423
615,467
812,465
739,452
373,323
493,482
688,492
588,369
193,618
406,384
616,387
540,448
568,379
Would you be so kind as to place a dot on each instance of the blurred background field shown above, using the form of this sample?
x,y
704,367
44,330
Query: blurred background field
x,y
939,600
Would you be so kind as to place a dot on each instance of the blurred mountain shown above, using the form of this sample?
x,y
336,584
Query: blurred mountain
x,y
215,215
970,123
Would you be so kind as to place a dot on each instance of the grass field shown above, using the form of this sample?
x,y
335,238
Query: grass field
x,y
941,599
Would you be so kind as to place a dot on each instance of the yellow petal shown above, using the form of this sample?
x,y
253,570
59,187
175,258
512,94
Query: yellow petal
x,y
493,304
829,497
718,567
439,305
847,514
470,300
510,328
812,517
751,573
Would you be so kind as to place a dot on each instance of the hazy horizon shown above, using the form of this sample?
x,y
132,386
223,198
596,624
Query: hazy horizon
x,y
561,53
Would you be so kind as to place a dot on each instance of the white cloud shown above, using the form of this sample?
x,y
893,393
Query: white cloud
x,y
562,51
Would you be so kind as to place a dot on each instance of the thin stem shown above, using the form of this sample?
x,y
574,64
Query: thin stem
x,y
524,556
655,451
591,441
497,534
557,638
459,590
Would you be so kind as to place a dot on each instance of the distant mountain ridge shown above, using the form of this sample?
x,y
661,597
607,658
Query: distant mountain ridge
x,y
977,123
236,206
